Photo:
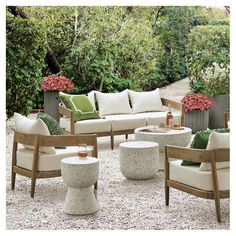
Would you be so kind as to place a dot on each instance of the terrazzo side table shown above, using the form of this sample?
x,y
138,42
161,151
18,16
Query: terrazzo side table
x,y
80,175
180,138
139,159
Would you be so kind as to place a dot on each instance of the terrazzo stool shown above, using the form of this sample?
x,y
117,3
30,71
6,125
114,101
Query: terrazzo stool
x,y
139,159
80,175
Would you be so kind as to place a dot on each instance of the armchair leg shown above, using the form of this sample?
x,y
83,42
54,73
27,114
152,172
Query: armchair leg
x,y
167,194
112,141
13,180
217,205
96,186
33,182
126,136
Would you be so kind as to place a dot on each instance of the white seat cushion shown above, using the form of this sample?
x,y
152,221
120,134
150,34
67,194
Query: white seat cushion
x,y
145,101
30,126
155,118
190,175
113,103
47,162
125,122
87,126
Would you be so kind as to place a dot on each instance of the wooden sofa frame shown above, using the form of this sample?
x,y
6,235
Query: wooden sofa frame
x,y
197,155
38,141
68,113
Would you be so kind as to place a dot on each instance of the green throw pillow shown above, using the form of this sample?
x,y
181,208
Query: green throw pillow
x,y
53,126
81,107
200,141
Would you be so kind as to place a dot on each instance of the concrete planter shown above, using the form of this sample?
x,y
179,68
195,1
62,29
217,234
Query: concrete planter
x,y
196,120
51,102
216,114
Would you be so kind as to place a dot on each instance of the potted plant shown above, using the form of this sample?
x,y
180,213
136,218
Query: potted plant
x,y
196,108
217,86
51,85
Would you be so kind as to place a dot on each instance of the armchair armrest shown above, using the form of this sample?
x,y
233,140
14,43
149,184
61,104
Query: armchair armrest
x,y
68,113
69,140
196,155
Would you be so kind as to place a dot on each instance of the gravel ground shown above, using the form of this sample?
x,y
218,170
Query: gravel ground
x,y
124,204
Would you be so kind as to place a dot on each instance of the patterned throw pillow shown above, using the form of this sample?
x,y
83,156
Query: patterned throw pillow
x,y
200,141
80,105
53,126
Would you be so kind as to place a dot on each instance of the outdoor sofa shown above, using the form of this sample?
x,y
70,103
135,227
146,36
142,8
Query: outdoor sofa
x,y
120,113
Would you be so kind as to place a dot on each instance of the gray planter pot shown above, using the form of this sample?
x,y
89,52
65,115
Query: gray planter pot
x,y
196,120
216,114
51,102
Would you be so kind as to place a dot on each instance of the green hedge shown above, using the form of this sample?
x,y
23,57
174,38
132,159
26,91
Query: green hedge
x,y
25,53
206,44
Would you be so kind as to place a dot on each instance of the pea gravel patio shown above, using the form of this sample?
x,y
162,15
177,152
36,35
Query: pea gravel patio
x,y
124,204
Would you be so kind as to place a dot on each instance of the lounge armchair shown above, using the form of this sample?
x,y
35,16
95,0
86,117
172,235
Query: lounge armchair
x,y
35,164
213,184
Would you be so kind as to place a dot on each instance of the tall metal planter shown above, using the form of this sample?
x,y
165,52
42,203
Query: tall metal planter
x,y
196,120
216,114
51,102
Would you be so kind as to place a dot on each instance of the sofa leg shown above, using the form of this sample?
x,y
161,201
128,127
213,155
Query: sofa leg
x,y
126,136
112,141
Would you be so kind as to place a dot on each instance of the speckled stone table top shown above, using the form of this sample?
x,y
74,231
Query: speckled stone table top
x,y
77,161
138,144
170,132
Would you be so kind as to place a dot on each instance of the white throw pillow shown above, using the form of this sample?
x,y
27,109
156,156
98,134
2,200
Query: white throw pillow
x,y
30,126
217,140
113,103
145,101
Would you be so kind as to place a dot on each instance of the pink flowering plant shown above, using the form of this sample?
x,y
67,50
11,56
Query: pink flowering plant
x,y
196,102
57,83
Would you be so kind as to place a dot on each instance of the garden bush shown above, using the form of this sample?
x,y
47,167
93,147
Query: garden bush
x,y
112,53
207,44
25,53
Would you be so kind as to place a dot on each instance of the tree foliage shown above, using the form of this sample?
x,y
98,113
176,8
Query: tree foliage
x,y
207,44
108,48
24,61
113,50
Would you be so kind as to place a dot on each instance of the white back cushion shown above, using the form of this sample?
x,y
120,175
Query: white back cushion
x,y
113,103
217,140
145,101
30,126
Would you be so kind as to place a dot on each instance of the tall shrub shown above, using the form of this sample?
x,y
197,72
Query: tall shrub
x,y
173,27
207,44
25,53
113,51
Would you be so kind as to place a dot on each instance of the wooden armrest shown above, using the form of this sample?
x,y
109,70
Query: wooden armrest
x,y
69,140
66,140
65,111
188,154
174,104
68,113
197,155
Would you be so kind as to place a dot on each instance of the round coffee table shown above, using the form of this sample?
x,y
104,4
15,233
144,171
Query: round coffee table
x,y
139,159
180,138
80,175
